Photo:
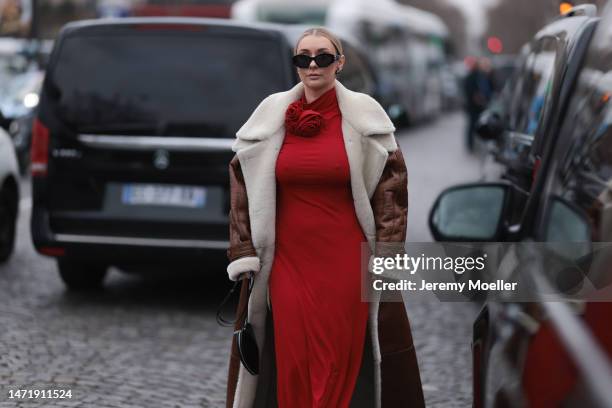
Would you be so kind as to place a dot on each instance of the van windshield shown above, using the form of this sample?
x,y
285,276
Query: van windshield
x,y
175,84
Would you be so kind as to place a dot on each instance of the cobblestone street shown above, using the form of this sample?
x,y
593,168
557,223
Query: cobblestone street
x,y
442,331
154,342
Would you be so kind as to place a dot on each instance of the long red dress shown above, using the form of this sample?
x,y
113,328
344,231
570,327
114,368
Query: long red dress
x,y
319,319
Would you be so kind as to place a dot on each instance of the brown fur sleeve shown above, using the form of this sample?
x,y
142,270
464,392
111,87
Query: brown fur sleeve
x,y
241,244
390,202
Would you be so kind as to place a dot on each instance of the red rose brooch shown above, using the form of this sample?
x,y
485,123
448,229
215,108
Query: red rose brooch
x,y
302,122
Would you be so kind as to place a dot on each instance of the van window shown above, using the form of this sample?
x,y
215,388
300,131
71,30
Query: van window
x,y
175,83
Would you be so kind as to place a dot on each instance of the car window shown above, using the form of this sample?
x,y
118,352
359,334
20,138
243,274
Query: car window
x,y
535,87
590,132
568,247
565,224
531,102
179,84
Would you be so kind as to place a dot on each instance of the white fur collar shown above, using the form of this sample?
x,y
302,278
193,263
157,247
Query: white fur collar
x,y
360,110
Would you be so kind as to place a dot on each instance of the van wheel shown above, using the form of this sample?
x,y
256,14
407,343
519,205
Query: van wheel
x,y
8,221
80,276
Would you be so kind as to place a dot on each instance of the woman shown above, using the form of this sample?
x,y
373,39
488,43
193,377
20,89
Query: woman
x,y
317,172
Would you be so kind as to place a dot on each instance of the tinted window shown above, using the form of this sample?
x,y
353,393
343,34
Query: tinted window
x,y
180,84
531,102
536,86
565,224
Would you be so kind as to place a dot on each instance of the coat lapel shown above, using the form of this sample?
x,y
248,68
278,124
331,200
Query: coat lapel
x,y
358,152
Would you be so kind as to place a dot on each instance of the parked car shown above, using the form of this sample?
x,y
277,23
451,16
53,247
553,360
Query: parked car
x,y
520,119
22,63
20,97
9,196
502,69
547,353
130,164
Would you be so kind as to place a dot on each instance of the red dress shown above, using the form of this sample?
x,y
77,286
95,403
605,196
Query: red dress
x,y
319,319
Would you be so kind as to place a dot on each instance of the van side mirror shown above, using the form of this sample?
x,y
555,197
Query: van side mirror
x,y
470,212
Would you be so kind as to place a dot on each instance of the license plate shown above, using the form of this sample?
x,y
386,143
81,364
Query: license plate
x,y
163,195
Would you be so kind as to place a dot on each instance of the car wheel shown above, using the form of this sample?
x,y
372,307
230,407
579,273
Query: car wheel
x,y
8,221
80,276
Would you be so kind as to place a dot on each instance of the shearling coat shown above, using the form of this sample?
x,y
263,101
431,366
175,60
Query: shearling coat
x,y
389,375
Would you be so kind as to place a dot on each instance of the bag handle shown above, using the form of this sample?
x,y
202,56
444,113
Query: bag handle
x,y
221,321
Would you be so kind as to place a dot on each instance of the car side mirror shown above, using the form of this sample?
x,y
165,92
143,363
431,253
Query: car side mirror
x,y
470,212
490,125
567,231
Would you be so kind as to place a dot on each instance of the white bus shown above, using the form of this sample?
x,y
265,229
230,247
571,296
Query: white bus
x,y
406,46
312,12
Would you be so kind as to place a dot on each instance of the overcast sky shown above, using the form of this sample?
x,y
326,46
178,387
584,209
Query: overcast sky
x,y
474,10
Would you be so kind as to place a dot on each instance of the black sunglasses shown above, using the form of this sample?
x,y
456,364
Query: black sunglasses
x,y
322,60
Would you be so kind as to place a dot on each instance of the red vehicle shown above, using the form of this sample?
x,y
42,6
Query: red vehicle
x,y
183,9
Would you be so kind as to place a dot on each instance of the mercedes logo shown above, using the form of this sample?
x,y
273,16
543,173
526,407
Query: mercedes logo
x,y
161,159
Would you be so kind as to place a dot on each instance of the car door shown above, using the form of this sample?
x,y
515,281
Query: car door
x,y
574,220
519,357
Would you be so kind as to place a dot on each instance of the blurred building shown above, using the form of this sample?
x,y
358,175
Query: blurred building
x,y
15,17
51,15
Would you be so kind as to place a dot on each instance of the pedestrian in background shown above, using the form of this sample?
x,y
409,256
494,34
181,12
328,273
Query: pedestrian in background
x,y
318,172
478,88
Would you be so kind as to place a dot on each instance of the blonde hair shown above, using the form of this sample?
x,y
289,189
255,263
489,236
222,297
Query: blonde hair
x,y
321,32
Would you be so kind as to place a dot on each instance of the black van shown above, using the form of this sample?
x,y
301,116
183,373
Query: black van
x,y
133,136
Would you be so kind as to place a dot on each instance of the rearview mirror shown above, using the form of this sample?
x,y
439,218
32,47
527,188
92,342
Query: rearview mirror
x,y
469,212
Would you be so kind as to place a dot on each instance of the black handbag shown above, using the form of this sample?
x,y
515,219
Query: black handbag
x,y
245,337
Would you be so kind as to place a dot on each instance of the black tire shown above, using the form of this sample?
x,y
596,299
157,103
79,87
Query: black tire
x,y
8,222
81,276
